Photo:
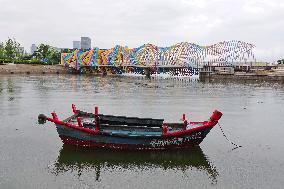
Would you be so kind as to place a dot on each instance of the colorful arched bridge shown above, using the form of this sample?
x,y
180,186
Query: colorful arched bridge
x,y
180,55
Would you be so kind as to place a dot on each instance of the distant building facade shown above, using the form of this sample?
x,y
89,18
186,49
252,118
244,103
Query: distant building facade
x,y
33,48
85,43
76,44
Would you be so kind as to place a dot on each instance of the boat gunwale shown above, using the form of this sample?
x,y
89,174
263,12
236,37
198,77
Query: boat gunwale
x,y
178,133
165,133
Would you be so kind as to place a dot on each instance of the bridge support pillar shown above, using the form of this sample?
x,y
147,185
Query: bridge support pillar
x,y
147,73
205,74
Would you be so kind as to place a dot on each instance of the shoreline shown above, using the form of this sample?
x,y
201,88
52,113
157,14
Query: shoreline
x,y
32,69
36,69
247,77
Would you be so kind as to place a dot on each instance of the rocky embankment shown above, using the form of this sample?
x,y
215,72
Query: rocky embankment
x,y
32,69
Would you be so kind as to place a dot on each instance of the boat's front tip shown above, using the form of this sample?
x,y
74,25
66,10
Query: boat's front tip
x,y
216,115
42,118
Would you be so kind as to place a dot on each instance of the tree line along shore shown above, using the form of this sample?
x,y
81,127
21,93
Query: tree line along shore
x,y
11,51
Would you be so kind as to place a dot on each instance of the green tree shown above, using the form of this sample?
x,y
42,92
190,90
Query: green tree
x,y
2,50
54,56
42,52
47,54
11,49
280,61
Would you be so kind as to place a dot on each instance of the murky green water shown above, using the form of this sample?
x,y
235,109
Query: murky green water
x,y
32,156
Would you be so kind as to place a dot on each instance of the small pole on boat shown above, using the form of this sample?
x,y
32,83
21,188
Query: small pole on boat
x,y
79,121
54,115
74,109
98,126
165,129
185,123
183,117
97,119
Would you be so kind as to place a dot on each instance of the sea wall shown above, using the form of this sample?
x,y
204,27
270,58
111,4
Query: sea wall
x,y
32,69
247,77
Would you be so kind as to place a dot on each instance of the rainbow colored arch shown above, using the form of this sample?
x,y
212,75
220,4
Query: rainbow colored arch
x,y
182,54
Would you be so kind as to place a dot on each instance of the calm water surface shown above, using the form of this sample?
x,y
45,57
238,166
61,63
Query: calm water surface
x,y
32,155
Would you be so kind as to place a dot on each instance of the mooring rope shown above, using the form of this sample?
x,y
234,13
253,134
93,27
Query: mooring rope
x,y
237,146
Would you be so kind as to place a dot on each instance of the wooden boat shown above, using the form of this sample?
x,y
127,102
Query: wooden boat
x,y
120,132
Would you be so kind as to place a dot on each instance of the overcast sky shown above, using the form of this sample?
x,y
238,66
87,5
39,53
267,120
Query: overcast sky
x,y
135,22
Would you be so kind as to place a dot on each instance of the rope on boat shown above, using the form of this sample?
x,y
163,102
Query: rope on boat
x,y
237,146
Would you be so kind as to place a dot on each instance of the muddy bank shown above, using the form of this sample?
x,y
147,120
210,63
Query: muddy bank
x,y
248,77
32,69
59,69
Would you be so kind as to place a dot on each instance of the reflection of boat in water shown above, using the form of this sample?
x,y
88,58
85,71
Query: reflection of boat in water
x,y
77,160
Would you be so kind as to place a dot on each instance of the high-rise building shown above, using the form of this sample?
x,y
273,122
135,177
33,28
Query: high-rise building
x,y
76,44
33,48
85,43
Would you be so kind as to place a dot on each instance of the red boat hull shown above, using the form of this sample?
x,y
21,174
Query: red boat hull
x,y
77,138
91,144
